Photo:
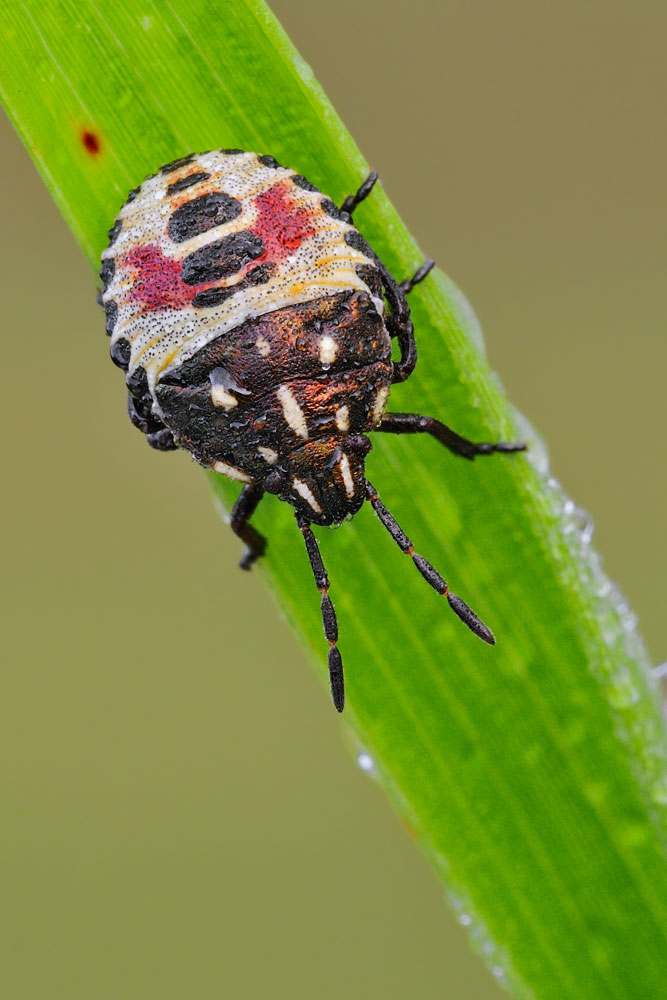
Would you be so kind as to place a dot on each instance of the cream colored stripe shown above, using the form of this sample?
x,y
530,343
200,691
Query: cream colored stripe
x,y
292,412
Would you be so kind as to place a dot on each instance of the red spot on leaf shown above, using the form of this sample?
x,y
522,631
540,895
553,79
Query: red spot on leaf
x,y
157,284
282,223
91,142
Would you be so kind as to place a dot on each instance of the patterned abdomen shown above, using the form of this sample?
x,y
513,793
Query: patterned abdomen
x,y
246,310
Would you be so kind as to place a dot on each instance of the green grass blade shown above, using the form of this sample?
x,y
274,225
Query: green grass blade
x,y
534,772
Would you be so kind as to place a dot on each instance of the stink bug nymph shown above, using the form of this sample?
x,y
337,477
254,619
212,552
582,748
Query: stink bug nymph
x,y
255,324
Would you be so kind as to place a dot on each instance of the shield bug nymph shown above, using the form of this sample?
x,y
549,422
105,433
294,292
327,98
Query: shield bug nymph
x,y
255,324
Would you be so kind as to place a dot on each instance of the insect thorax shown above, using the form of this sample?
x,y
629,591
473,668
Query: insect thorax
x,y
287,393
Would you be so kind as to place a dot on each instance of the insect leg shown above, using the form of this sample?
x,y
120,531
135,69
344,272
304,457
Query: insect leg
x,y
419,275
329,620
398,319
242,511
353,200
431,575
399,324
141,416
413,423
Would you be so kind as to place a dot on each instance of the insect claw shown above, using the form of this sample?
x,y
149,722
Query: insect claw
x,y
336,678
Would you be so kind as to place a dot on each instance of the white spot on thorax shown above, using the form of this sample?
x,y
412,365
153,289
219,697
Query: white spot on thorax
x,y
379,404
268,454
304,491
328,350
231,472
348,482
343,419
292,412
220,397
263,346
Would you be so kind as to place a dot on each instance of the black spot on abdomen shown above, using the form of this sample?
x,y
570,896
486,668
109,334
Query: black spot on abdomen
x,y
107,271
169,168
114,231
333,211
120,353
185,182
201,214
355,240
215,296
304,184
269,161
222,259
111,310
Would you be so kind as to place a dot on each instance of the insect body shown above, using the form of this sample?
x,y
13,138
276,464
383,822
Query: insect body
x,y
255,327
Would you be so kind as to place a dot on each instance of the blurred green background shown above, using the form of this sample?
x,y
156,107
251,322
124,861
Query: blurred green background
x,y
181,817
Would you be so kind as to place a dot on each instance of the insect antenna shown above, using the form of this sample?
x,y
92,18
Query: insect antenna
x,y
329,620
431,575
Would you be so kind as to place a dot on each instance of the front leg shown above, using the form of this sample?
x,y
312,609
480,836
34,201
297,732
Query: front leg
x,y
242,511
413,423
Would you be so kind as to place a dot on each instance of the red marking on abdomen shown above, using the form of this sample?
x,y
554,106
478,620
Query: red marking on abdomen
x,y
157,284
281,223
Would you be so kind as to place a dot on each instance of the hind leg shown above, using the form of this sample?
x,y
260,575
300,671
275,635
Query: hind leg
x,y
414,423
242,511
